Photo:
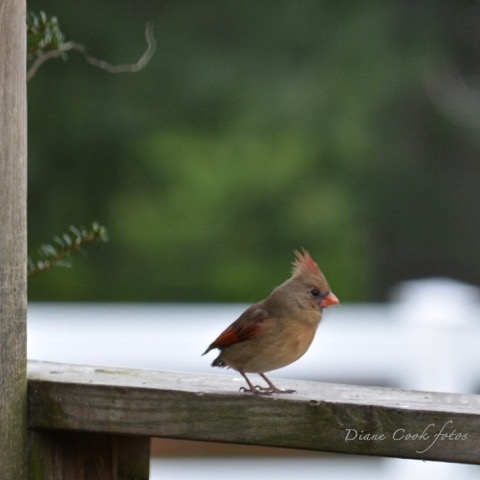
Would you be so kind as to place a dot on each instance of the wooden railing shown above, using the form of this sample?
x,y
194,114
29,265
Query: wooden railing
x,y
96,422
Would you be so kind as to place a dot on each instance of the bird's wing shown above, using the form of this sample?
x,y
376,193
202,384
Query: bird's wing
x,y
248,325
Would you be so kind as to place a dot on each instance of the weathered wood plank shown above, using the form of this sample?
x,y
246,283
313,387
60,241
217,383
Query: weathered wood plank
x,y
328,417
13,258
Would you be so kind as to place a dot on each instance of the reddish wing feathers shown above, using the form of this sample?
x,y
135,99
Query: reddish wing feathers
x,y
233,335
248,325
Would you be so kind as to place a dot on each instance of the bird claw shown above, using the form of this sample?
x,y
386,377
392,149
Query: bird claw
x,y
258,390
269,390
263,390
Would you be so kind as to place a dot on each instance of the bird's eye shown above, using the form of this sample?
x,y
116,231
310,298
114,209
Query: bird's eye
x,y
315,292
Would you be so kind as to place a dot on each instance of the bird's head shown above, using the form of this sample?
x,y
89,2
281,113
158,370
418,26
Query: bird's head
x,y
310,283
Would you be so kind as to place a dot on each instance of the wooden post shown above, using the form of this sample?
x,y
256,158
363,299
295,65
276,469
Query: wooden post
x,y
58,455
13,156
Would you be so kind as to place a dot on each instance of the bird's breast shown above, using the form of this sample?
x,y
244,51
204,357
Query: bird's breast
x,y
278,346
300,338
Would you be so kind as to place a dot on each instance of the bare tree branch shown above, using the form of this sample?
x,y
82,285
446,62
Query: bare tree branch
x,y
122,68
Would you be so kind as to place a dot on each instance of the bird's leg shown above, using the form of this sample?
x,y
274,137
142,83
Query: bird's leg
x,y
256,390
271,387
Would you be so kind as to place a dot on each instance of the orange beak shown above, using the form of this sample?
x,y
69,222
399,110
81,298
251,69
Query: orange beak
x,y
329,300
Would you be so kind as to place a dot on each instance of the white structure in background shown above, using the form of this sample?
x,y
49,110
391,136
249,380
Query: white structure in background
x,y
442,318
426,339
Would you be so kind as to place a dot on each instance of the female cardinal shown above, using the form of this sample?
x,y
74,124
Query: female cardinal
x,y
278,330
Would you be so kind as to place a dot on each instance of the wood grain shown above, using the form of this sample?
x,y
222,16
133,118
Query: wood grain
x,y
85,456
13,259
320,416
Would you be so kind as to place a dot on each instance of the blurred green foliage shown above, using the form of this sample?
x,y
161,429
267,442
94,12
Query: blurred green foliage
x,y
257,128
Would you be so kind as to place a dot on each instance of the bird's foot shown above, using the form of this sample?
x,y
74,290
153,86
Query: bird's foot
x,y
258,390
273,389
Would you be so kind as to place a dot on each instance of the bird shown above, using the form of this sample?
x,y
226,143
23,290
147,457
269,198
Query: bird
x,y
278,330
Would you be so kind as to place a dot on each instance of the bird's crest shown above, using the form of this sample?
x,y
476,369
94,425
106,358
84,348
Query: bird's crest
x,y
304,263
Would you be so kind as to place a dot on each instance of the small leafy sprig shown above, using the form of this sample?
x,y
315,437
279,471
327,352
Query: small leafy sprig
x,y
62,247
43,35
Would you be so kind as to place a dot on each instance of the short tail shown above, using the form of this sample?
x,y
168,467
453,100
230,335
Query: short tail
x,y
210,347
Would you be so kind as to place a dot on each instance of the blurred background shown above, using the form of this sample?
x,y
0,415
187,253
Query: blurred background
x,y
259,127
350,129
